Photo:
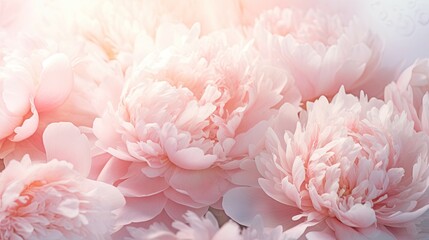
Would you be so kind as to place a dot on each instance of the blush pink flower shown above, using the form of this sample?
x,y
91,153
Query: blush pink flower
x,y
113,26
352,168
320,50
121,28
55,200
30,84
44,81
410,94
205,228
189,112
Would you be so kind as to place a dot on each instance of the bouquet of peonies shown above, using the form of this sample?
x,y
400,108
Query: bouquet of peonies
x,y
214,119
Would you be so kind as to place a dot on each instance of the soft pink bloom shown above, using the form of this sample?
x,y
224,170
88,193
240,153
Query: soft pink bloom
x,y
121,28
189,111
319,49
32,82
410,94
205,228
43,81
114,26
351,168
55,200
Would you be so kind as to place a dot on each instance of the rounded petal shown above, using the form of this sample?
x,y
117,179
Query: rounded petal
x,y
56,82
141,209
64,141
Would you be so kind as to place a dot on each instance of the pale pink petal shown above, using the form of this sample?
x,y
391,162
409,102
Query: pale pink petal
x,y
176,211
64,141
204,186
192,159
133,187
243,204
135,211
113,170
28,127
56,82
16,97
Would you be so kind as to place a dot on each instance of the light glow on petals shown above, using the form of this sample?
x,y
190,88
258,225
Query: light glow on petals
x,y
351,166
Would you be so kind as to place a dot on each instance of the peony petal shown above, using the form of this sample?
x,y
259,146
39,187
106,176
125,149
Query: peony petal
x,y
192,159
203,186
182,198
359,215
16,96
113,170
28,127
345,232
176,211
64,141
242,204
68,208
141,209
56,82
425,113
253,136
139,185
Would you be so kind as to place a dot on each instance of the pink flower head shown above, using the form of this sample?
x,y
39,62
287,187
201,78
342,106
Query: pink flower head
x,y
188,112
205,228
113,26
44,81
55,200
410,94
351,168
319,49
122,28
32,81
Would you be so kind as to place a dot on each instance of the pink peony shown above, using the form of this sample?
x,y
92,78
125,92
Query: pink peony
x,y
122,28
113,26
205,228
319,49
43,81
410,94
188,112
55,200
32,82
351,168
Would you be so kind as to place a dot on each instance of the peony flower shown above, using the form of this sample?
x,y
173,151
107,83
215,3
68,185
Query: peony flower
x,y
188,113
113,26
351,168
55,200
31,83
410,94
46,81
123,28
320,50
205,228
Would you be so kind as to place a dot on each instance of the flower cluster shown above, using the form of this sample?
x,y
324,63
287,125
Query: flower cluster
x,y
239,119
